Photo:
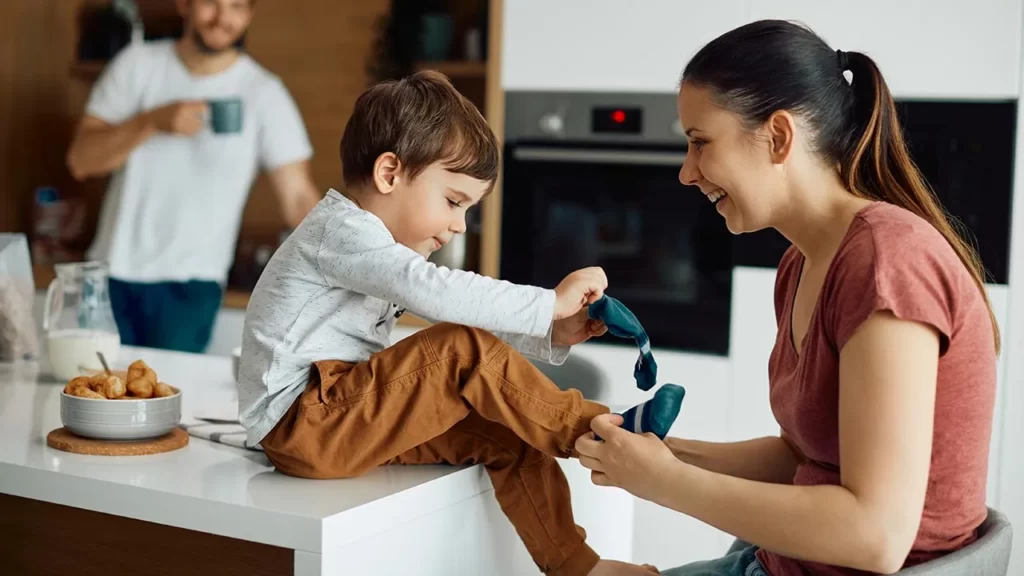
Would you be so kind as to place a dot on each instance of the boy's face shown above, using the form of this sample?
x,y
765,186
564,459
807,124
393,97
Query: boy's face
x,y
431,208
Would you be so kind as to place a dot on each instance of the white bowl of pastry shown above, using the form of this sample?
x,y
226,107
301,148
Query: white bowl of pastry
x,y
124,406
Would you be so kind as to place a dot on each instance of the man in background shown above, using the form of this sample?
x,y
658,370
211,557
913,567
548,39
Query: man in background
x,y
170,219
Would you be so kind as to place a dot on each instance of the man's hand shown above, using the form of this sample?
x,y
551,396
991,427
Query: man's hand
x,y
184,118
576,329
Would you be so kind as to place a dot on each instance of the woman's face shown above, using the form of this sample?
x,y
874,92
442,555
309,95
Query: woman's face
x,y
731,165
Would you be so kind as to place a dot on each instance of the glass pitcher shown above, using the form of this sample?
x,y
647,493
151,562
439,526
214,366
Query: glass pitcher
x,y
78,320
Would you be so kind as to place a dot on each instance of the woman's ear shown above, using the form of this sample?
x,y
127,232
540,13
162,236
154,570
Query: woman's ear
x,y
781,127
386,172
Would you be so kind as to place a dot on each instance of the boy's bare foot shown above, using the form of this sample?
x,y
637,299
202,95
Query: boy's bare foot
x,y
615,568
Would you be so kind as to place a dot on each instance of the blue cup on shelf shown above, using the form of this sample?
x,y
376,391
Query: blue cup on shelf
x,y
436,34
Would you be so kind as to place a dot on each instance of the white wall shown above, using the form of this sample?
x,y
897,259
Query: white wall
x,y
1011,478
608,44
926,48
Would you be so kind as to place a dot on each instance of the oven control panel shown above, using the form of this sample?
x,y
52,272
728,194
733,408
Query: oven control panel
x,y
616,120
593,116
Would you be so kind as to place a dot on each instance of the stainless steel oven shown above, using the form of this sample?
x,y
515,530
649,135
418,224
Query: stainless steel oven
x,y
591,179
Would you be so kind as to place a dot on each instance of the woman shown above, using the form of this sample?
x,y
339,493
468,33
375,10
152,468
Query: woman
x,y
883,371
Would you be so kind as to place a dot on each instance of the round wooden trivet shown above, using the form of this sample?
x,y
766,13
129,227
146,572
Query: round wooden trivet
x,y
63,439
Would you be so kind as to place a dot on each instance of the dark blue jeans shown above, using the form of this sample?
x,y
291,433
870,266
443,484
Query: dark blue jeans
x,y
169,315
739,561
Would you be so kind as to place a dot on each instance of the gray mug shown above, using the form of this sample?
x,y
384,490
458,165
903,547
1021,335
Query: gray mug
x,y
226,115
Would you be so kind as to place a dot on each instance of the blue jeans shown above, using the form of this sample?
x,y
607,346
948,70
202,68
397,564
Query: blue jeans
x,y
739,561
169,315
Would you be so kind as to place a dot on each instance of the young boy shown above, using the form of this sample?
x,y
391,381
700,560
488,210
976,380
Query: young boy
x,y
416,155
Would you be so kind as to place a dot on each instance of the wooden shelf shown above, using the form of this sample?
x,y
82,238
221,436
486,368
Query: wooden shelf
x,y
87,70
456,68
236,299
42,276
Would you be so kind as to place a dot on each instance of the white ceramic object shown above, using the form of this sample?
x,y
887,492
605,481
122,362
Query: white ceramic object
x,y
236,359
120,419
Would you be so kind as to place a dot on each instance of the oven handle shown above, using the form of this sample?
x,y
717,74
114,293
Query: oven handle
x,y
643,157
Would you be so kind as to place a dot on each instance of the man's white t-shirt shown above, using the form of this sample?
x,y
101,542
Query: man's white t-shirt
x,y
172,212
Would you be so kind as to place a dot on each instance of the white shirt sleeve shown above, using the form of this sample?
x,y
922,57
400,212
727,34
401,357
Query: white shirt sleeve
x,y
359,254
539,348
282,135
117,94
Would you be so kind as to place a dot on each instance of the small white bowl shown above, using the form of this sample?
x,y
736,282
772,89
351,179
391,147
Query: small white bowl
x,y
134,419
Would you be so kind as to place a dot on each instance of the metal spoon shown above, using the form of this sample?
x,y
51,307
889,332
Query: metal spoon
x,y
103,361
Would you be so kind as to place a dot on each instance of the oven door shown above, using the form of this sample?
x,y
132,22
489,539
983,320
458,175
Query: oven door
x,y
666,251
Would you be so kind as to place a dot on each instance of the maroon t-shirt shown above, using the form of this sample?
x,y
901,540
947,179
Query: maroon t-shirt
x,y
890,260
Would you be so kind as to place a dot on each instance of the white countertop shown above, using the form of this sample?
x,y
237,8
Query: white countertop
x,y
205,486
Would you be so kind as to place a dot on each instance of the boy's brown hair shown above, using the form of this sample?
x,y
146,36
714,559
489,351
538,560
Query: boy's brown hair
x,y
422,119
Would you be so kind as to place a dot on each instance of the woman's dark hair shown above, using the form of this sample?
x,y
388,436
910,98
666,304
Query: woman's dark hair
x,y
770,65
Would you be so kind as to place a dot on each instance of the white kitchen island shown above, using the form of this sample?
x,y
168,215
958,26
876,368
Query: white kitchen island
x,y
215,500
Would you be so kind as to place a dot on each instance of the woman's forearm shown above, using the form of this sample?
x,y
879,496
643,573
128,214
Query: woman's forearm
x,y
767,459
825,524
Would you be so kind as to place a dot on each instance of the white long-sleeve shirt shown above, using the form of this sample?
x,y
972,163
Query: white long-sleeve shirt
x,y
333,290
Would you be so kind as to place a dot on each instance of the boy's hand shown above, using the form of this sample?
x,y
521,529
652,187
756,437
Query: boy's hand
x,y
576,329
577,290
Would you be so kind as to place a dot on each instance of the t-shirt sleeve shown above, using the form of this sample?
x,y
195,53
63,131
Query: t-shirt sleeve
x,y
911,279
282,133
117,94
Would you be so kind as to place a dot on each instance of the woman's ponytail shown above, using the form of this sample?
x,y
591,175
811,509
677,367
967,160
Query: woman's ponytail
x,y
878,166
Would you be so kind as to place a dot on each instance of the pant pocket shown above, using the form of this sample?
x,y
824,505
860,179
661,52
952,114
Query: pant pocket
x,y
313,394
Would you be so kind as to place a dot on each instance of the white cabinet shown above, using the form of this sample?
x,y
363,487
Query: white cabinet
x,y
999,296
925,48
608,45
751,337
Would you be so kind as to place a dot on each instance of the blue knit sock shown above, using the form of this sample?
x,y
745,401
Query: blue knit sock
x,y
657,414
622,323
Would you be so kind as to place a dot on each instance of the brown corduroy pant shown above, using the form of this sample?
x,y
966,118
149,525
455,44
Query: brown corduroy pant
x,y
457,395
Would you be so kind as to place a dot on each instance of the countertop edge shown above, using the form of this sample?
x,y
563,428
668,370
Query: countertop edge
x,y
280,529
139,503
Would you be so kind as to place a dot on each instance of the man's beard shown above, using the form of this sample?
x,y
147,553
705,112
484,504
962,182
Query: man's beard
x,y
205,48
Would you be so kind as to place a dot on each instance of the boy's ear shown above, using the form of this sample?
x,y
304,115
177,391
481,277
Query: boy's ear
x,y
386,172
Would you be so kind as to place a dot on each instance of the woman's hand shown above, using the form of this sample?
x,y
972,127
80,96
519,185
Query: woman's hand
x,y
639,464
575,329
